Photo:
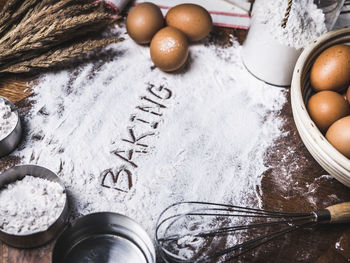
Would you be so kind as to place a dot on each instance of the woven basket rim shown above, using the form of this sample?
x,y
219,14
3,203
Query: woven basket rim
x,y
327,156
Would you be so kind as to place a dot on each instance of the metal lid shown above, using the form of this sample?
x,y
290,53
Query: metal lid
x,y
104,238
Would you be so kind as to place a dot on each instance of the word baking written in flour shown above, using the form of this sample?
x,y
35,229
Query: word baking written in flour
x,y
149,114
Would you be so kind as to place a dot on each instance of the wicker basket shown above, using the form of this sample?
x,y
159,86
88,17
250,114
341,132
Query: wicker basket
x,y
324,153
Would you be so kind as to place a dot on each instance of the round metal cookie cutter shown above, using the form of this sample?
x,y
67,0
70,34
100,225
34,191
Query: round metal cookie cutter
x,y
10,142
38,238
104,238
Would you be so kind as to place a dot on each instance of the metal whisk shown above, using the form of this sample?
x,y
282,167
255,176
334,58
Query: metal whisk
x,y
184,224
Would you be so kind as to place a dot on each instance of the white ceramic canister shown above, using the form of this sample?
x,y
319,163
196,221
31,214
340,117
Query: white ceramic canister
x,y
266,58
269,60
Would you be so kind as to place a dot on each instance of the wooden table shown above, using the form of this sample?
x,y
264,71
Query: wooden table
x,y
304,190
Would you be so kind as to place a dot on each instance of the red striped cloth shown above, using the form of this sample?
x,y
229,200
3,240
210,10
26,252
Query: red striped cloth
x,y
223,13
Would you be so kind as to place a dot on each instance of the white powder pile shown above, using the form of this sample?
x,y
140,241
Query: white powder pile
x,y
305,23
8,119
30,205
129,138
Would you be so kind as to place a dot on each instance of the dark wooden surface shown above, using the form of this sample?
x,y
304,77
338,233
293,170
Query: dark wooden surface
x,y
294,182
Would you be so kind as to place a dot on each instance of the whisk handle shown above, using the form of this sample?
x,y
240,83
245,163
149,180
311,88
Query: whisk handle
x,y
339,213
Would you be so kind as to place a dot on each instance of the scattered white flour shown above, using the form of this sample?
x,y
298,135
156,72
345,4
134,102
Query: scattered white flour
x,y
207,143
8,119
30,205
337,245
305,23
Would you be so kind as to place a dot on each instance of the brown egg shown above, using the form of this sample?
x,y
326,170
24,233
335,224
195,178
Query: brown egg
x,y
326,107
339,135
193,20
331,70
169,49
143,21
348,94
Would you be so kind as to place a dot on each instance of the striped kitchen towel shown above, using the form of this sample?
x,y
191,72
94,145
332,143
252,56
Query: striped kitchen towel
x,y
223,12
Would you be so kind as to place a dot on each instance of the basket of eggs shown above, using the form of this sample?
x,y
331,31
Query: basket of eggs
x,y
320,98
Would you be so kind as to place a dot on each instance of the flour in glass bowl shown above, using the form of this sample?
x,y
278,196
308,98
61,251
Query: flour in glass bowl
x,y
306,21
8,119
128,138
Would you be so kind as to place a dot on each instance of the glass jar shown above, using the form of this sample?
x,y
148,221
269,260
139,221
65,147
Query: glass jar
x,y
331,9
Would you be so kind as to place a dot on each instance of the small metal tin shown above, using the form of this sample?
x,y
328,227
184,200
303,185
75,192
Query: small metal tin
x,y
104,238
10,142
38,238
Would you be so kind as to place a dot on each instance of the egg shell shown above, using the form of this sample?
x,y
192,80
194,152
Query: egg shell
x,y
339,135
331,70
326,107
143,22
345,96
193,20
169,49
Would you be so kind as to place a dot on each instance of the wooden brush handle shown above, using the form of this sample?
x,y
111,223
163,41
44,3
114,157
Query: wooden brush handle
x,y
340,213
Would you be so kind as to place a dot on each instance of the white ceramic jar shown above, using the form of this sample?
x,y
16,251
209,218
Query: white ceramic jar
x,y
267,58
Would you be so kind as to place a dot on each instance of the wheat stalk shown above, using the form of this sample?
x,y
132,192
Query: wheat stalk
x,y
32,32
36,8
54,35
32,24
59,56
64,19
8,9
57,32
7,12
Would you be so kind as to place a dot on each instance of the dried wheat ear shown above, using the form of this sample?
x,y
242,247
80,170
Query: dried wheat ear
x,y
41,34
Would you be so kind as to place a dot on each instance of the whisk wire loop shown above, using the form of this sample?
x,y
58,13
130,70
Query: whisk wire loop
x,y
230,230
214,210
267,237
